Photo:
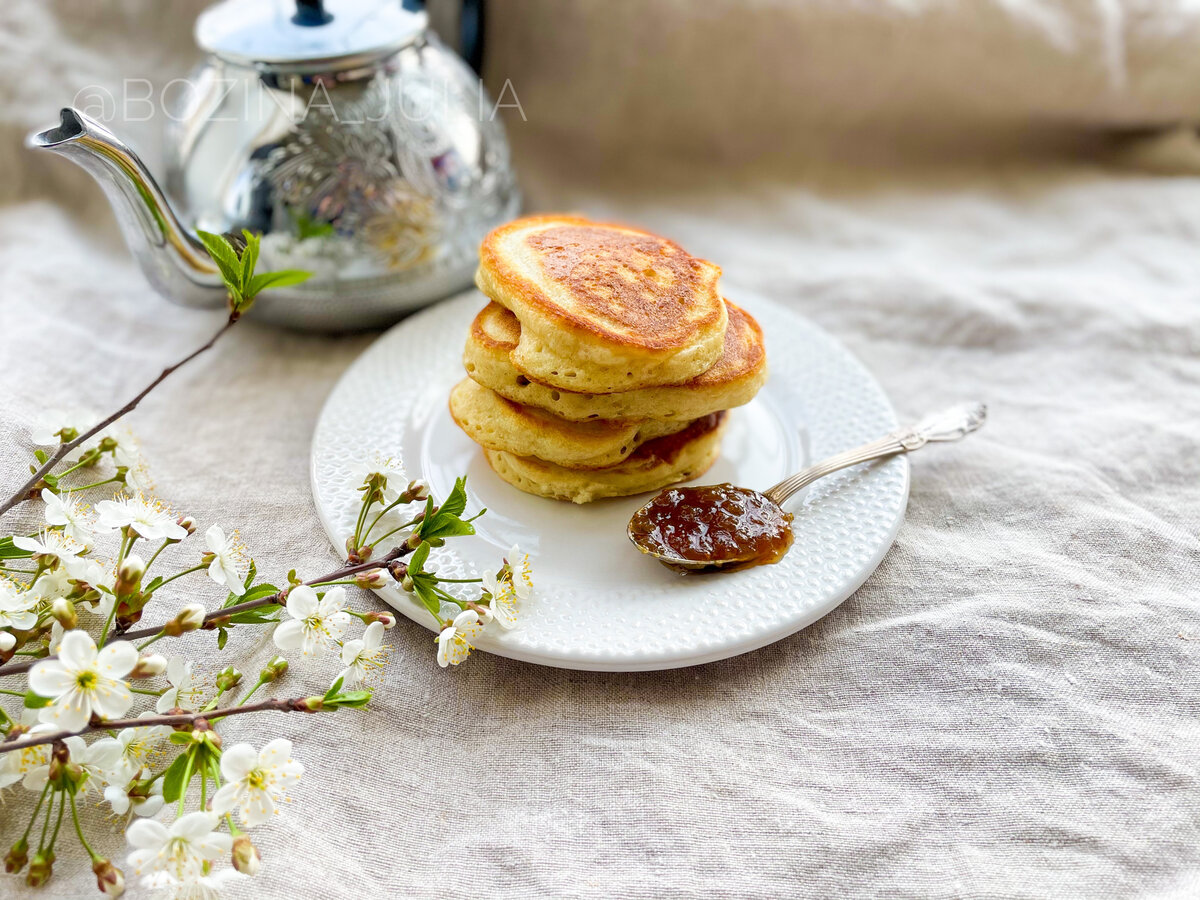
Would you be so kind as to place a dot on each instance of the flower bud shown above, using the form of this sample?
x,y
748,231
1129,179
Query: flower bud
x,y
228,678
275,669
407,583
372,579
387,618
413,541
17,856
310,704
63,611
109,879
129,576
187,523
149,665
40,869
63,773
417,490
246,858
189,618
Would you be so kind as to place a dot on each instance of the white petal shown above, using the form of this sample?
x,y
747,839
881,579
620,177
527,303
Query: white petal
x,y
111,700
373,636
117,659
301,602
7,642
237,761
289,635
275,753
147,835
351,649
78,650
49,678
225,798
167,700
194,826
214,539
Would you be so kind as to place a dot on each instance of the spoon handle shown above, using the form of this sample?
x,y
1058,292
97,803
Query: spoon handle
x,y
948,425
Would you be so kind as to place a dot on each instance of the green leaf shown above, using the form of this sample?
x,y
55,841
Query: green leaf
x,y
249,258
447,521
250,575
173,783
334,688
416,562
36,701
260,616
8,551
267,280
255,593
222,637
225,257
347,700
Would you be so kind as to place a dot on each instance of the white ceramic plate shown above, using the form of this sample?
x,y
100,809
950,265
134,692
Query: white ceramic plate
x,y
599,603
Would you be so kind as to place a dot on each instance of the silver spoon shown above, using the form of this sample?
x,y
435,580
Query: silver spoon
x,y
727,527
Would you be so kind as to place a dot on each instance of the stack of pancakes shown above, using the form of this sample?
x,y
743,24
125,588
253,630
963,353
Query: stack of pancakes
x,y
605,362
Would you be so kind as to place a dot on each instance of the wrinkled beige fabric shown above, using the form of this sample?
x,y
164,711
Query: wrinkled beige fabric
x,y
1008,707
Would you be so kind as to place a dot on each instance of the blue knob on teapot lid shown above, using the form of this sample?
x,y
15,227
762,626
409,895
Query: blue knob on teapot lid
x,y
304,35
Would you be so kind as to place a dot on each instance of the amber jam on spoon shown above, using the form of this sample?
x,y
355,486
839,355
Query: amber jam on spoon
x,y
713,526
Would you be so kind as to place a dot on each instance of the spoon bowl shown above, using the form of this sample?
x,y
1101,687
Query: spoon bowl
x,y
725,527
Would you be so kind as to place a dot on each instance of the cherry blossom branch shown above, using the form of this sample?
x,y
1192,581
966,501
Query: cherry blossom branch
x,y
30,489
217,616
294,704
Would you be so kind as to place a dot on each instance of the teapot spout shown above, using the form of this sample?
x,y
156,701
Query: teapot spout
x,y
172,259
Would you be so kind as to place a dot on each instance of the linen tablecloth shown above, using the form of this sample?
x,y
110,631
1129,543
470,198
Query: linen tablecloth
x,y
1007,708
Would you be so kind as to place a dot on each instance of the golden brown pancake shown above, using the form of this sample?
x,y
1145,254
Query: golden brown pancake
x,y
732,380
656,464
603,307
499,424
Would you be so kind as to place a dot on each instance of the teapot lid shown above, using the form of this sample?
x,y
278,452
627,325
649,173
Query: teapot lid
x,y
304,34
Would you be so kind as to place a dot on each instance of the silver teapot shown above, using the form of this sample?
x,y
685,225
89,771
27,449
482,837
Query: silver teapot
x,y
344,132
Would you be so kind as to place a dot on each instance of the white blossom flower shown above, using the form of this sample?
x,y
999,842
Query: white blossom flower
x,y
454,642
17,765
503,608
256,781
522,572
83,681
150,519
16,608
129,750
225,559
52,584
387,466
183,692
179,857
316,623
95,760
127,455
68,513
362,656
7,642
49,542
122,801
45,429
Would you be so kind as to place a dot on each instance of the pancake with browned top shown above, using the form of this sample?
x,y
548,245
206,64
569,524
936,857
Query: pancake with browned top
x,y
731,381
496,423
603,307
655,464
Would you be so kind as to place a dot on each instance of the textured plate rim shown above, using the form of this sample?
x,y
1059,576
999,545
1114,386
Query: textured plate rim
x,y
415,612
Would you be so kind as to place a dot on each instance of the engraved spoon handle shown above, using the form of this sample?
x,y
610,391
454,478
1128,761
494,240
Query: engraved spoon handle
x,y
950,424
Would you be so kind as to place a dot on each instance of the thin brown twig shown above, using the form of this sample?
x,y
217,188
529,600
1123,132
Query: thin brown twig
x,y
295,704
278,598
28,490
